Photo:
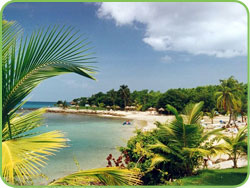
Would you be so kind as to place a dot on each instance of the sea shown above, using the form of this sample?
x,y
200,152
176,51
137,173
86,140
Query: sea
x,y
90,140
37,104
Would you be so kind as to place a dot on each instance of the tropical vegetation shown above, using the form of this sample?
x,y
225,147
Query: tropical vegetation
x,y
236,146
174,149
230,95
26,62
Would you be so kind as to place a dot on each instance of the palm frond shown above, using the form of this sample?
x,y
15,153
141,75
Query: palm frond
x,y
22,156
22,123
193,113
157,159
175,112
10,32
160,146
191,151
106,176
46,53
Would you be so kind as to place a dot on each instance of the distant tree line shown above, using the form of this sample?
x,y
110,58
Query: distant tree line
x,y
178,98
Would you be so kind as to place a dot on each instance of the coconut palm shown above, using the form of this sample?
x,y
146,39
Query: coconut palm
x,y
236,146
179,144
228,96
211,115
26,62
125,94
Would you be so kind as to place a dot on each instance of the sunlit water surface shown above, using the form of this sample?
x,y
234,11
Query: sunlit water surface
x,y
92,139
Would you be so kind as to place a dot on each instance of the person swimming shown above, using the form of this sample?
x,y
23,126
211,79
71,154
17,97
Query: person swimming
x,y
126,122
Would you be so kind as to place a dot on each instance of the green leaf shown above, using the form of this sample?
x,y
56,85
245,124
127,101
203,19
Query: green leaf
x,y
106,176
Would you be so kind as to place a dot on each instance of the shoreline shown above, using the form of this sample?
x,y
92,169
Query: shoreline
x,y
143,120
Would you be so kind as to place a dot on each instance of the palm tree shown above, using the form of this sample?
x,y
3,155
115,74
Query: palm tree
x,y
228,96
125,94
211,115
26,63
236,146
179,144
65,104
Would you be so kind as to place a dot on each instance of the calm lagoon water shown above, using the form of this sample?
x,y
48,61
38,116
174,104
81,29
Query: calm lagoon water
x,y
92,139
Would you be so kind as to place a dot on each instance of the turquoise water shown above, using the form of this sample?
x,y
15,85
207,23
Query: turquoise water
x,y
33,104
92,139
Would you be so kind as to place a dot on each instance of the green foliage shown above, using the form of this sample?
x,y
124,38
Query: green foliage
x,y
59,102
235,146
178,98
45,54
219,177
124,92
26,62
211,114
178,149
102,176
229,97
65,104
173,150
140,156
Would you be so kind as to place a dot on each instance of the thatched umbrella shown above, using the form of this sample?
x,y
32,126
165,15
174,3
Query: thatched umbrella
x,y
93,106
108,107
132,107
151,109
161,110
117,107
127,107
73,103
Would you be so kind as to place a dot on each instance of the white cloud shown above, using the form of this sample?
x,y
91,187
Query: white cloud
x,y
218,29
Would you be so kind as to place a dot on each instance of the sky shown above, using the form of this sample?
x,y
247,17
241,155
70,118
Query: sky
x,y
155,46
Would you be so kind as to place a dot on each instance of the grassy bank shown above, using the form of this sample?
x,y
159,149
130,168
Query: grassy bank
x,y
215,177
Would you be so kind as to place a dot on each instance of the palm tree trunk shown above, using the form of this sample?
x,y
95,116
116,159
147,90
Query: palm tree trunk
x,y
230,117
235,162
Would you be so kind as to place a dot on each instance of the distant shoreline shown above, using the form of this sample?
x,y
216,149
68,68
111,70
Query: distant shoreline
x,y
143,120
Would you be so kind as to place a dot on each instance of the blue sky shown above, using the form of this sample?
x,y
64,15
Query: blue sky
x,y
144,45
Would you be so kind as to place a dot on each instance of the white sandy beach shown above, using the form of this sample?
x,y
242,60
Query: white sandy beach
x,y
142,119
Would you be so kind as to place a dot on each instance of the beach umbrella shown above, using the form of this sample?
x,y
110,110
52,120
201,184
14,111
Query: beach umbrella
x,y
108,107
151,109
73,103
161,109
132,107
93,106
